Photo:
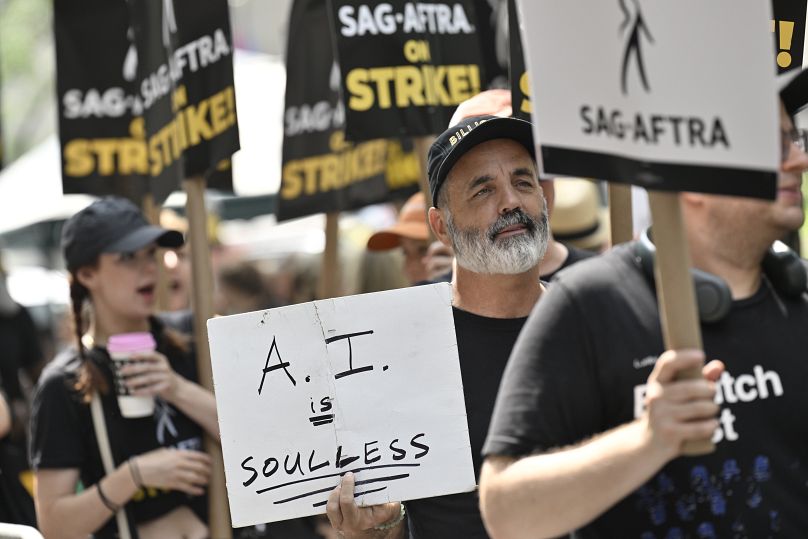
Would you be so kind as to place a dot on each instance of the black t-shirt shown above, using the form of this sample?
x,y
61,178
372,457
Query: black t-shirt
x,y
580,367
62,434
484,345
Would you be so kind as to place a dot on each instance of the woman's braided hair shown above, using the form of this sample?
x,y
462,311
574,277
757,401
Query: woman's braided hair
x,y
90,378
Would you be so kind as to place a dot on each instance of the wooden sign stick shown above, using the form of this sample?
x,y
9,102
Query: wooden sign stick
x,y
330,275
677,298
202,280
620,213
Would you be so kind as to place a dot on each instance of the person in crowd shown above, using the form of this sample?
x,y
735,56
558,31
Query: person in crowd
x,y
489,207
21,356
160,472
578,220
21,361
411,234
242,289
497,102
592,416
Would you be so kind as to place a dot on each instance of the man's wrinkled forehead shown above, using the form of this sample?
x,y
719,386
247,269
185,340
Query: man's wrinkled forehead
x,y
520,159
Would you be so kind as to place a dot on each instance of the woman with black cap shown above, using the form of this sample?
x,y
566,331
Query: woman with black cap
x,y
155,481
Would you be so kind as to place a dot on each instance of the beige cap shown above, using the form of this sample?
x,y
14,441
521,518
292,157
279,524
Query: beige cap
x,y
578,217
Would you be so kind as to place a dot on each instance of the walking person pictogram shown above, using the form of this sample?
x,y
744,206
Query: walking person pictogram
x,y
633,43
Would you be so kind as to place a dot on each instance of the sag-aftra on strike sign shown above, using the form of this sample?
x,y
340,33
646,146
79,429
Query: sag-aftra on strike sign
x,y
674,96
405,65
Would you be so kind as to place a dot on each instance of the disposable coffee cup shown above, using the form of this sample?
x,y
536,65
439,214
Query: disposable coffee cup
x,y
123,348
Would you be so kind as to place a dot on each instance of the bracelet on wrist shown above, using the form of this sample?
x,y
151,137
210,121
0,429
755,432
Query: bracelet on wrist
x,y
135,471
106,501
395,522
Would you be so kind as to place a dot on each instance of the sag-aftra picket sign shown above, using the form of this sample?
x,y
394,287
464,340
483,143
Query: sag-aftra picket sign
x,y
650,93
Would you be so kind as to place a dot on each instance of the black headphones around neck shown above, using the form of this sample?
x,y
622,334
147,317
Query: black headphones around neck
x,y
782,266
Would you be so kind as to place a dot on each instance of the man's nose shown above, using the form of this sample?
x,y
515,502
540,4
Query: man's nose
x,y
509,199
797,160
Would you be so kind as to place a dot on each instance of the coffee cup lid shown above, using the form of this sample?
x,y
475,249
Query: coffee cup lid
x,y
131,342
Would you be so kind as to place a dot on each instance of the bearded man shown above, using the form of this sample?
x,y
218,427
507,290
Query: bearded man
x,y
490,208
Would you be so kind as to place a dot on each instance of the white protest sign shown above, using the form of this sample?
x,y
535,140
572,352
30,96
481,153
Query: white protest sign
x,y
369,384
667,95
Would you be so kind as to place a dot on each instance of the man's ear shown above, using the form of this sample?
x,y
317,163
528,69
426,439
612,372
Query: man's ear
x,y
86,276
438,225
692,199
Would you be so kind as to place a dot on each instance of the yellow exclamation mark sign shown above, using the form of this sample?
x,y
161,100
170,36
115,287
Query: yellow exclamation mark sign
x,y
786,35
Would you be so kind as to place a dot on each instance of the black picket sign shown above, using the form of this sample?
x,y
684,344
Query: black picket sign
x,y
145,93
788,27
322,172
405,66
520,86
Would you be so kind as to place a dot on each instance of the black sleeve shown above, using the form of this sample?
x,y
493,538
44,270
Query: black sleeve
x,y
549,395
56,436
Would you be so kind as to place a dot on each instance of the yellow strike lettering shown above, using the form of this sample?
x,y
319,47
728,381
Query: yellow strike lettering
x,y
182,131
429,84
403,169
310,169
524,87
457,81
409,87
382,76
230,100
361,93
133,158
164,142
78,159
154,157
330,173
218,113
441,95
105,153
198,128
292,184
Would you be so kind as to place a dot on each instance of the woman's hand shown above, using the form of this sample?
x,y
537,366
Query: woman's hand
x,y
151,375
174,469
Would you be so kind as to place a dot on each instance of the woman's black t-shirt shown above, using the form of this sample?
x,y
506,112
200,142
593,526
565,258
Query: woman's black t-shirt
x,y
62,434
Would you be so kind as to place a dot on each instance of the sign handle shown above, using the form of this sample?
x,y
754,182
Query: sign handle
x,y
677,298
330,275
202,279
620,213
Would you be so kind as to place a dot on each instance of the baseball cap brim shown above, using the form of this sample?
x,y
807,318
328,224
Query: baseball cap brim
x,y
515,129
391,237
143,236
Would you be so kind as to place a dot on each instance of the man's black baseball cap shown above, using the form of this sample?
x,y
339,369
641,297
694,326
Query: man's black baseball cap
x,y
453,143
110,225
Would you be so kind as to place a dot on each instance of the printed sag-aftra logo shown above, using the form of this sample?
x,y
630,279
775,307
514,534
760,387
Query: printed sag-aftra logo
x,y
633,19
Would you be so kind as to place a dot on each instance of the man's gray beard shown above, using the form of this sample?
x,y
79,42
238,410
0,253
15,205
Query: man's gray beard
x,y
480,252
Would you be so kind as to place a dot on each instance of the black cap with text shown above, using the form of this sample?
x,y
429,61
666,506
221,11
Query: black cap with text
x,y
453,143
